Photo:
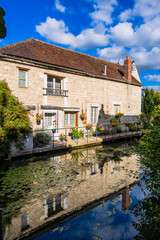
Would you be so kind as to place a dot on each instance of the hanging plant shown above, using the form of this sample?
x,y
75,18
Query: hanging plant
x,y
82,116
39,117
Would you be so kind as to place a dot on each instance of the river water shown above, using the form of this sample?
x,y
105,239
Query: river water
x,y
92,193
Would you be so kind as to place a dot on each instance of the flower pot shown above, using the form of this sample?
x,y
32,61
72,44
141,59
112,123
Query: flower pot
x,y
61,139
74,138
54,130
38,122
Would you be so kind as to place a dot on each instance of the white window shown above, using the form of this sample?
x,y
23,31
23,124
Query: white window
x,y
22,78
69,119
53,86
48,120
116,109
58,86
94,114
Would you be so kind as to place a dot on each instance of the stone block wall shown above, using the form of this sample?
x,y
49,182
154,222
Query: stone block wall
x,y
83,92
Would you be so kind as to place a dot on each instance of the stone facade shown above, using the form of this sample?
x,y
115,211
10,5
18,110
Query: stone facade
x,y
83,93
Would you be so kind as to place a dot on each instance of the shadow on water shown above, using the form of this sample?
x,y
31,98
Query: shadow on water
x,y
84,194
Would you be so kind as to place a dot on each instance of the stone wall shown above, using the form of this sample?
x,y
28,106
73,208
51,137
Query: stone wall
x,y
83,92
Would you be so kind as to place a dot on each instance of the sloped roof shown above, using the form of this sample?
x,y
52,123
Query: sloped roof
x,y
33,49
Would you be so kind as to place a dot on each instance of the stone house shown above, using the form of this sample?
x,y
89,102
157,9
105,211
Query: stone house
x,y
61,84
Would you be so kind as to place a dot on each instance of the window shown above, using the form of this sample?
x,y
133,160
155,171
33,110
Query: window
x,y
53,86
24,221
22,78
48,120
50,85
57,86
54,204
94,114
70,119
116,109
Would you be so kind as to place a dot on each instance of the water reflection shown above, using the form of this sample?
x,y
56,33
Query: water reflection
x,y
45,191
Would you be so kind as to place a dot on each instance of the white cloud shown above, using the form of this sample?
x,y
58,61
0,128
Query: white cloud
x,y
126,15
156,87
122,34
56,31
59,6
153,78
147,9
146,35
103,11
146,60
113,54
91,38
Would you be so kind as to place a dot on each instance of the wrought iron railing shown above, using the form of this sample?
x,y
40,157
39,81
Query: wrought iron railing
x,y
55,92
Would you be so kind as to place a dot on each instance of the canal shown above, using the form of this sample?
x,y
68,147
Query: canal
x,y
94,193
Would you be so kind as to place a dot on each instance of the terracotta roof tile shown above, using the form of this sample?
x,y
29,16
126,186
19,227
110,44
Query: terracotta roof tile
x,y
47,53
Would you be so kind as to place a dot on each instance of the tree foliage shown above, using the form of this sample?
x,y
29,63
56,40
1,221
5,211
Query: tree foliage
x,y
151,100
2,24
148,208
14,123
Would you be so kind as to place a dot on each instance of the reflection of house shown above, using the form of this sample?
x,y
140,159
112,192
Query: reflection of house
x,y
88,188
61,83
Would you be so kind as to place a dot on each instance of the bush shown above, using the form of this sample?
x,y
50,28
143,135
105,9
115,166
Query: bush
x,y
41,139
14,122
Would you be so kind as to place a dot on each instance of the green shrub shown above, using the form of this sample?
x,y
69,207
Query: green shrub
x,y
41,139
14,122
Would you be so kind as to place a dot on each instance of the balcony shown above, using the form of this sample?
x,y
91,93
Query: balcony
x,y
55,92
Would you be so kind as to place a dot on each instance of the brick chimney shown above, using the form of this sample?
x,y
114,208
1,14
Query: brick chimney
x,y
128,69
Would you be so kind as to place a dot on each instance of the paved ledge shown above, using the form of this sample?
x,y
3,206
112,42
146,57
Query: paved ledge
x,y
77,143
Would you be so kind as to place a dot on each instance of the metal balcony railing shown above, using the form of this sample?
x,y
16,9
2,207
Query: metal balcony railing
x,y
55,92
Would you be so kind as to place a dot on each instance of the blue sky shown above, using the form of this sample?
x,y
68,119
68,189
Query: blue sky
x,y
109,29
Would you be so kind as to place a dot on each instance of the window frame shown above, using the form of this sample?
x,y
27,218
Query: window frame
x,y
69,118
26,76
95,112
53,90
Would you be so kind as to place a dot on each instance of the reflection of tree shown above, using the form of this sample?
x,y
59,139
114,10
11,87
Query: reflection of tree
x,y
23,184
147,210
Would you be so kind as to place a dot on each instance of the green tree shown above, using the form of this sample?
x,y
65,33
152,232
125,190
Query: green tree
x,y
14,122
151,100
148,226
2,24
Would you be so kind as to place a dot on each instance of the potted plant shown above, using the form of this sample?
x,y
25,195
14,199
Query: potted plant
x,y
39,117
89,128
61,137
76,134
54,126
139,122
82,116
